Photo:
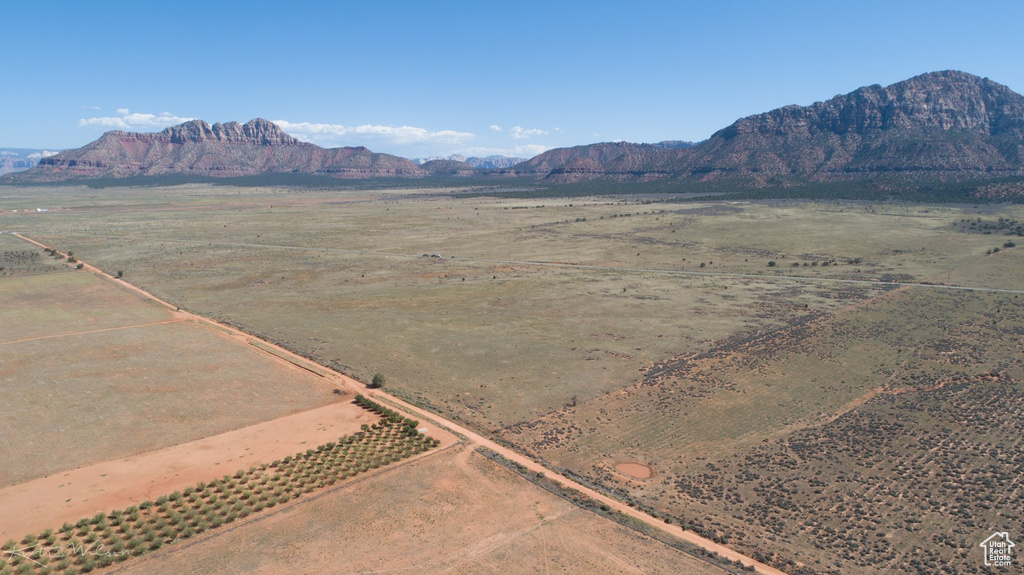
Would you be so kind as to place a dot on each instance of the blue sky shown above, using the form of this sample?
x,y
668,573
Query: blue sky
x,y
419,79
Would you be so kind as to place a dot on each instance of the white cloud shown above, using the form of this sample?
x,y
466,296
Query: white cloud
x,y
42,154
90,107
495,128
519,133
401,135
6,153
125,120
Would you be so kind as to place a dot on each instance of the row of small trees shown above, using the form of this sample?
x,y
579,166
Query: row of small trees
x,y
408,425
106,538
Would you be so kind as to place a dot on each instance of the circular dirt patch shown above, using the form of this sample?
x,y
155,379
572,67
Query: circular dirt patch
x,y
637,470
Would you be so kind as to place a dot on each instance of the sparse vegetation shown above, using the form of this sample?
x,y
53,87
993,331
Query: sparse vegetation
x,y
705,367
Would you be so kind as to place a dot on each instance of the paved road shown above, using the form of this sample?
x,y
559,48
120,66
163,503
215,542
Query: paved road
x,y
473,438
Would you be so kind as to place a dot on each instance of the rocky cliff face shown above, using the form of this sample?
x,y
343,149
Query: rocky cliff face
x,y
942,124
257,132
230,149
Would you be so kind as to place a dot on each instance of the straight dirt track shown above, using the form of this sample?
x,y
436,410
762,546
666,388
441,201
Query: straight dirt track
x,y
344,381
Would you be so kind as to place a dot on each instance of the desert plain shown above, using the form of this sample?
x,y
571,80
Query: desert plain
x,y
824,386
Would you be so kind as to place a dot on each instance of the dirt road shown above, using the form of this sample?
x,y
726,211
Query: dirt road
x,y
473,438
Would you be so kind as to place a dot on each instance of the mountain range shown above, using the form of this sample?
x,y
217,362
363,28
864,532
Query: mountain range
x,y
20,159
198,149
495,162
940,125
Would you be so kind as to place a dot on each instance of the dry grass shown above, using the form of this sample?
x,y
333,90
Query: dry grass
x,y
586,330
71,302
339,276
18,258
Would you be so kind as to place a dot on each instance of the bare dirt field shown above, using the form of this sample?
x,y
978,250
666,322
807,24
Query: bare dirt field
x,y
91,373
119,483
637,470
454,512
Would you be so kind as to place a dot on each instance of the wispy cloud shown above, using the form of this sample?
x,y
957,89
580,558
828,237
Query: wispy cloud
x,y
126,120
495,128
96,108
400,135
520,133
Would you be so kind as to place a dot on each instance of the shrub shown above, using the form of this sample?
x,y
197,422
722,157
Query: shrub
x,y
378,381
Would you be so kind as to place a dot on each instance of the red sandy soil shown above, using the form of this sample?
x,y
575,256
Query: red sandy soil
x,y
68,496
637,470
